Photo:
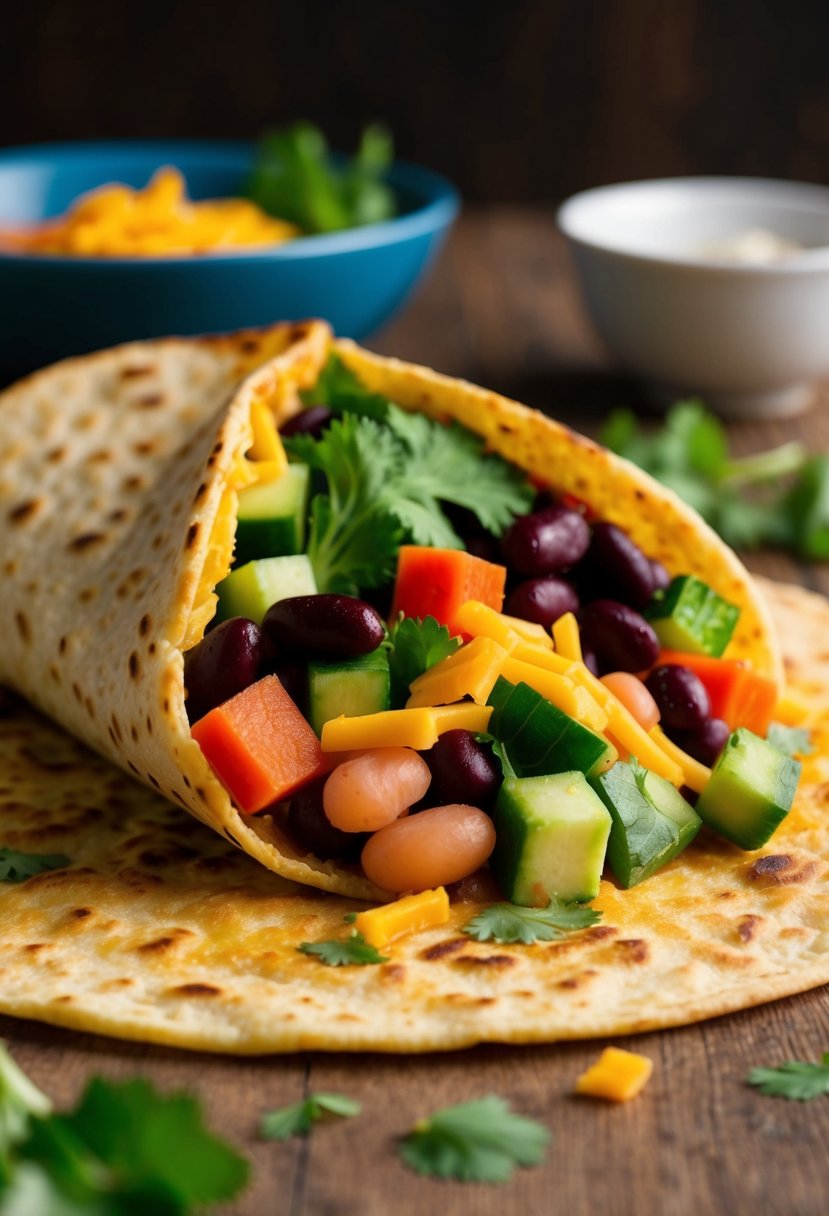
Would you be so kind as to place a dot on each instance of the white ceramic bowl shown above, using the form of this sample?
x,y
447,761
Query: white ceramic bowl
x,y
748,338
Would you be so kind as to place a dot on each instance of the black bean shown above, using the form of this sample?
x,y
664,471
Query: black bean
x,y
339,626
620,638
224,663
542,600
619,567
546,542
704,744
312,421
315,831
463,770
681,696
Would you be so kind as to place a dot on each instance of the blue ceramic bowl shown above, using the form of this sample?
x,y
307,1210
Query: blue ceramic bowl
x,y
54,306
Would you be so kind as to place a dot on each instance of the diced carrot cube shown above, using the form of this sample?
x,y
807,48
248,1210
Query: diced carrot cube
x,y
436,582
260,746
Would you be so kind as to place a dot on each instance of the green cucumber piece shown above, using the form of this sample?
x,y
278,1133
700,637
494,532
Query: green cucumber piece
x,y
271,516
250,590
689,616
348,686
551,838
652,822
750,791
539,738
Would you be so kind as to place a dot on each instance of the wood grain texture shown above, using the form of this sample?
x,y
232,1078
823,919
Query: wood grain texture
x,y
501,309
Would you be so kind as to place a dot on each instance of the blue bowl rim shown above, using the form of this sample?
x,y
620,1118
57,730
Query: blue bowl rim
x,y
440,205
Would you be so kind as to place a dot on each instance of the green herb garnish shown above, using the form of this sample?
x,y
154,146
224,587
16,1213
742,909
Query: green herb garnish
x,y
779,497
295,178
795,1080
415,644
17,867
297,1120
506,923
481,1141
124,1148
344,952
385,483
793,740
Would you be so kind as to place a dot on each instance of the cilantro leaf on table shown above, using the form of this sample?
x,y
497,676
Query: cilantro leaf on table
x,y
779,497
295,178
795,1080
124,1148
17,867
415,644
793,740
506,923
298,1119
344,952
385,483
480,1141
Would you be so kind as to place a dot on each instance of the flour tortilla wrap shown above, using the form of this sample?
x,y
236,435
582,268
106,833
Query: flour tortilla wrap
x,y
160,931
119,478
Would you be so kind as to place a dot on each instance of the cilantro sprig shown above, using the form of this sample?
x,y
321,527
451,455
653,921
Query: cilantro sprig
x,y
344,952
299,1118
17,867
386,474
779,497
415,644
796,1080
480,1141
295,178
507,923
124,1148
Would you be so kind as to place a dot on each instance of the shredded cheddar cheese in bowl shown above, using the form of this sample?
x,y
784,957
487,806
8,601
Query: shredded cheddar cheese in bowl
x,y
117,221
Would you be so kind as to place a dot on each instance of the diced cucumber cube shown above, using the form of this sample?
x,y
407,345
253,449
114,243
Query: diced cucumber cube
x,y
652,822
539,738
271,516
251,589
689,616
551,838
348,686
751,790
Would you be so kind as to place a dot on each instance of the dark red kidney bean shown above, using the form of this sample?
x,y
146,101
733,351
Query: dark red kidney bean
x,y
463,770
337,625
314,830
542,600
312,421
224,663
545,542
619,567
704,744
589,659
620,638
681,696
661,577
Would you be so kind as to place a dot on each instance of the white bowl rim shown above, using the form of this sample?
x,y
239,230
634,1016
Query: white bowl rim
x,y
801,196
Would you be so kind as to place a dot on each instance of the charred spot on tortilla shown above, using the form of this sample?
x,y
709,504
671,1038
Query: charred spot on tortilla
x,y
86,541
23,627
634,949
782,869
25,511
488,960
444,949
195,990
134,665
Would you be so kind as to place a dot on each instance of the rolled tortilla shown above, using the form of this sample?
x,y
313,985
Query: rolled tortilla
x,y
119,480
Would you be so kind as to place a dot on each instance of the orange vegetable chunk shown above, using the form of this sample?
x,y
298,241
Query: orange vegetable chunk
x,y
436,582
260,746
738,694
617,1075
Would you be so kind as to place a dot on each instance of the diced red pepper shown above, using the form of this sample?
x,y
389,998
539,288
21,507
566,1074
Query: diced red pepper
x,y
260,746
435,582
739,695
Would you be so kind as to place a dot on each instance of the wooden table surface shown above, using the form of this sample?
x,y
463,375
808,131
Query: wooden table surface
x,y
501,309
